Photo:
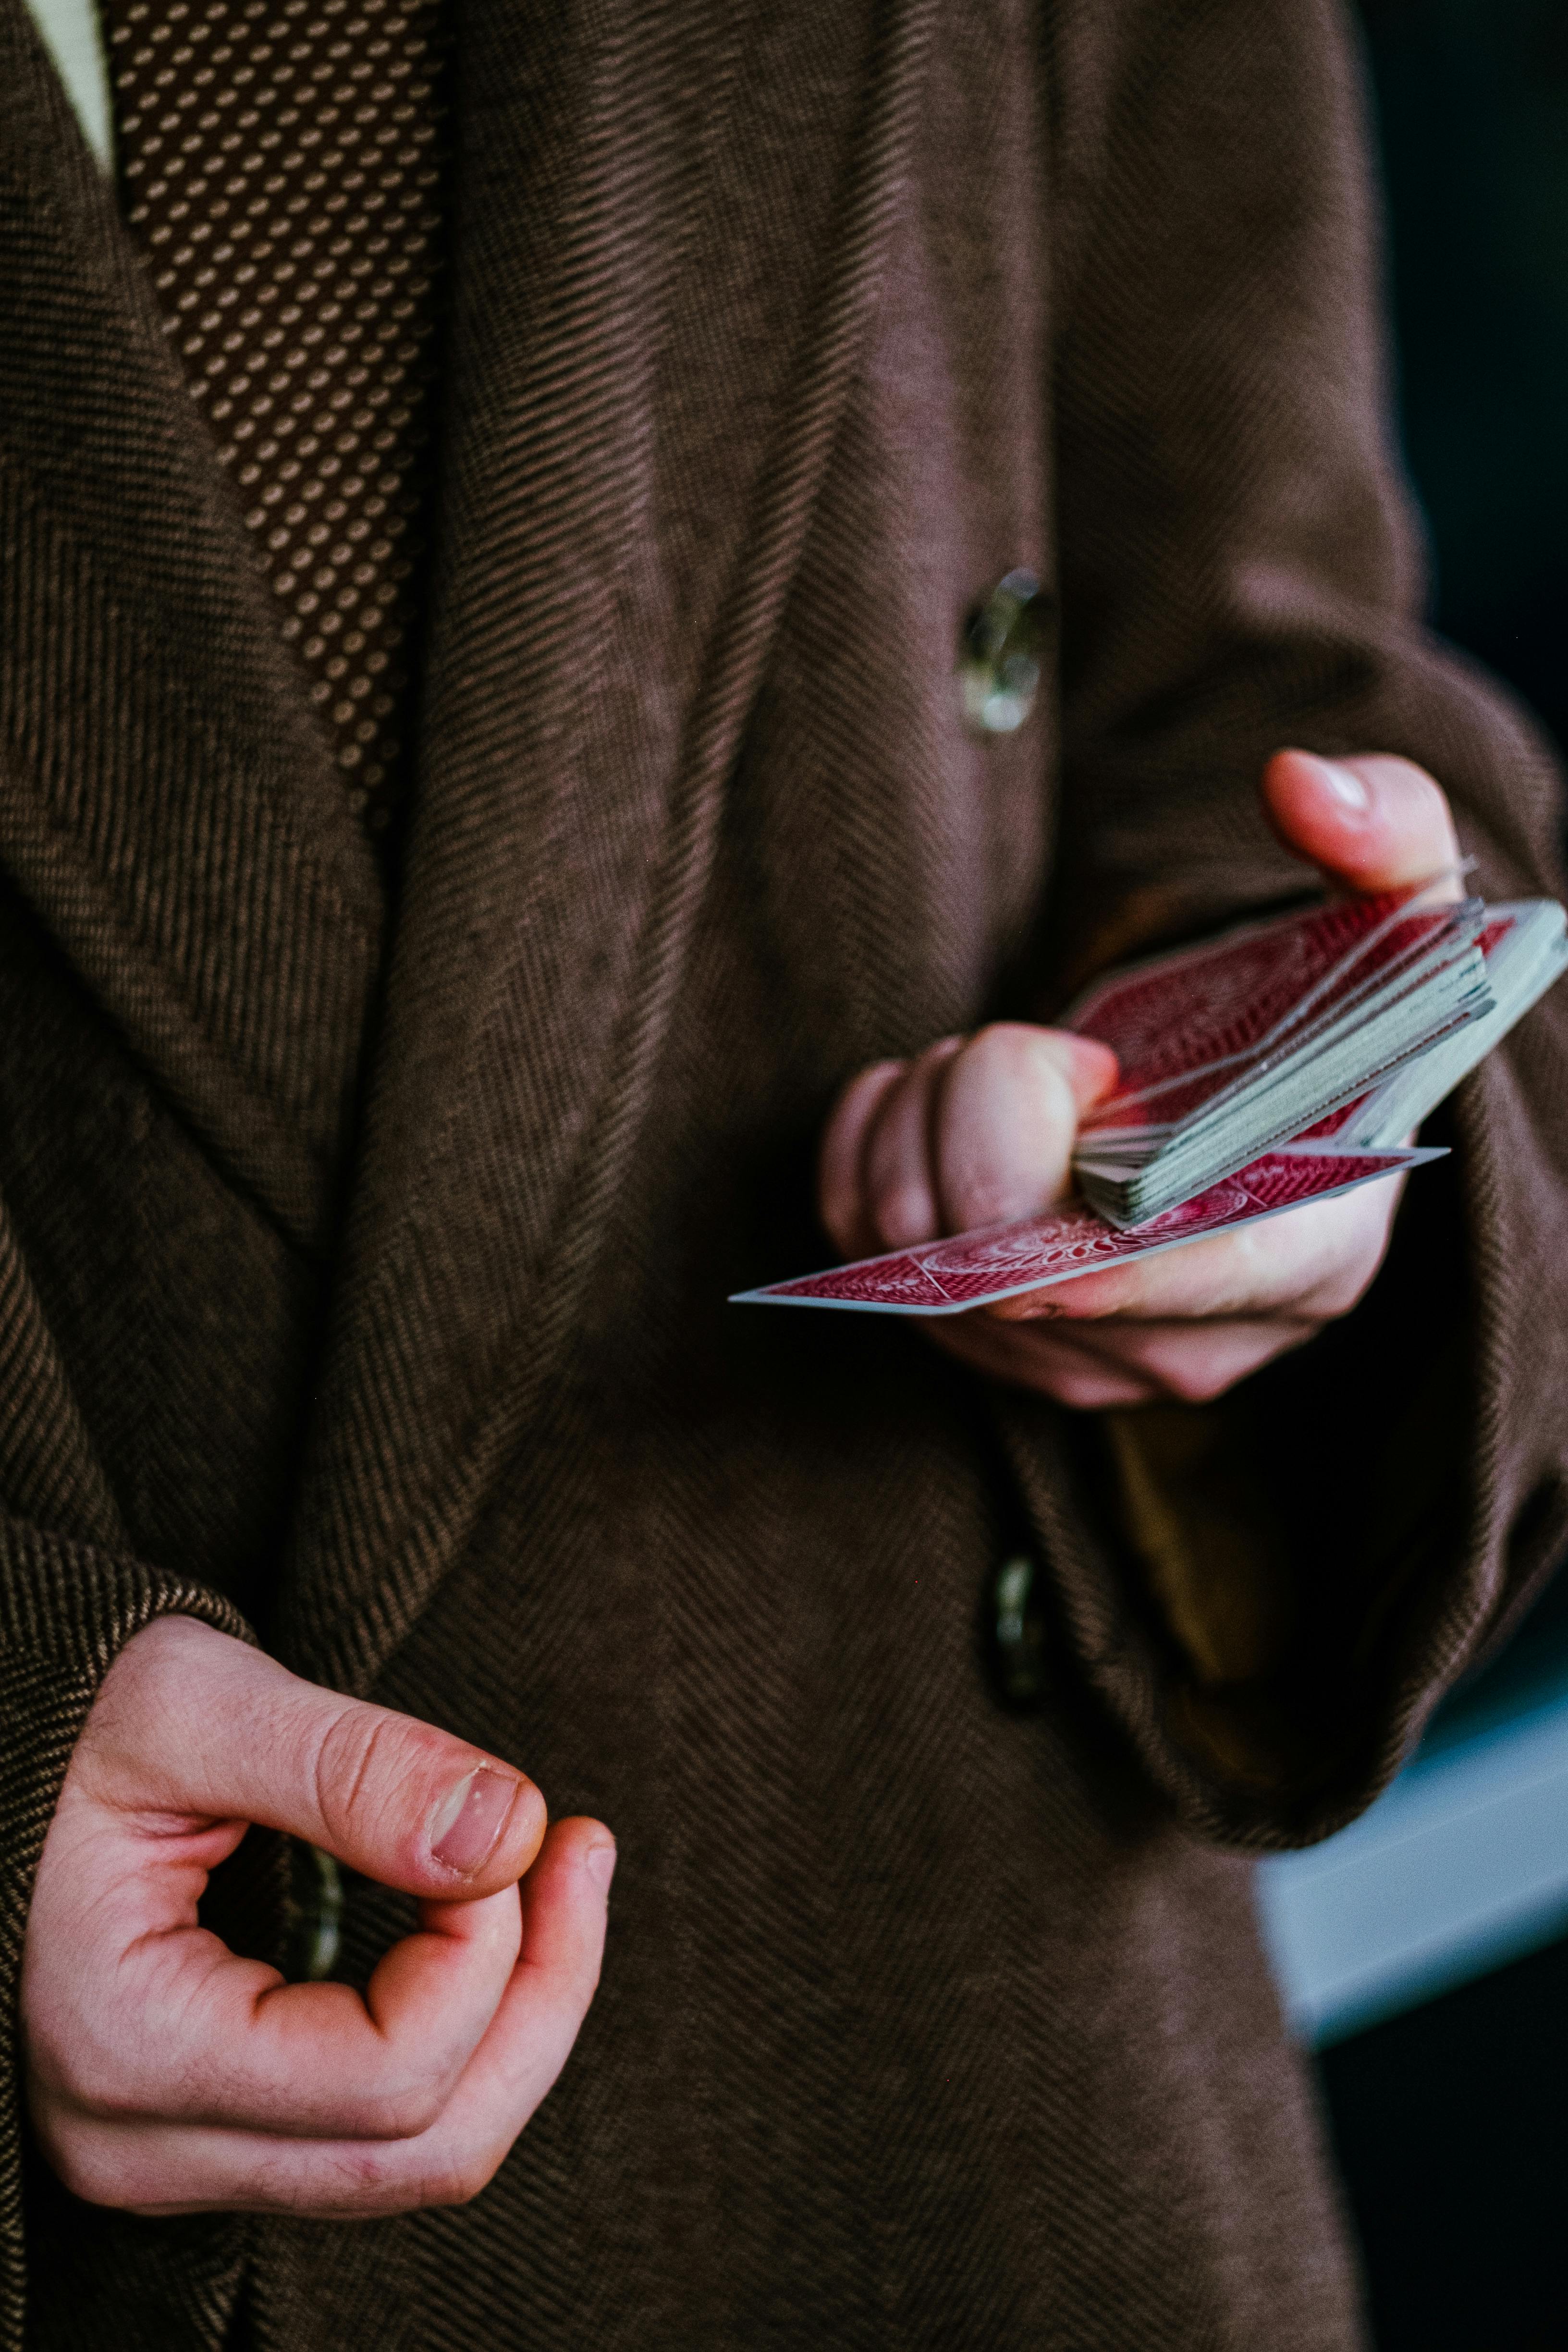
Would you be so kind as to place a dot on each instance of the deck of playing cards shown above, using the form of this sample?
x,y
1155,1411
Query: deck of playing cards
x,y
1363,1013
1283,1062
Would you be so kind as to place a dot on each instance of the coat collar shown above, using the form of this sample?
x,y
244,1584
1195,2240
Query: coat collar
x,y
670,223
629,477
167,803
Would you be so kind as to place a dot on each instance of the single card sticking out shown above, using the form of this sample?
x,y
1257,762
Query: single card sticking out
x,y
948,1277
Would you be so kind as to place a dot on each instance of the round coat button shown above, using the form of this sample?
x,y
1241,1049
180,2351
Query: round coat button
x,y
1017,1630
316,1914
1000,657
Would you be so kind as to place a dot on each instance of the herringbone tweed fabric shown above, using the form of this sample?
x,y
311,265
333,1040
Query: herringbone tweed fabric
x,y
367,1277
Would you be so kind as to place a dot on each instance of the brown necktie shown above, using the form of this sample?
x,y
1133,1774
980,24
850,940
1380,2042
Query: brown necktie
x,y
282,166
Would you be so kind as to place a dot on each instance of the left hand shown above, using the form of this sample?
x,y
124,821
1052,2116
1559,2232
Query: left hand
x,y
978,1130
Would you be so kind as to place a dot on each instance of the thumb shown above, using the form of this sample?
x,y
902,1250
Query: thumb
x,y
190,1722
1372,823
1011,1103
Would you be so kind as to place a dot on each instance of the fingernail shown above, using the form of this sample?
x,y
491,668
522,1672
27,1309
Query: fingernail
x,y
467,1824
1344,784
600,1863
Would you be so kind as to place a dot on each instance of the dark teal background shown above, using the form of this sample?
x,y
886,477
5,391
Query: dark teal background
x,y
1451,2123
1472,108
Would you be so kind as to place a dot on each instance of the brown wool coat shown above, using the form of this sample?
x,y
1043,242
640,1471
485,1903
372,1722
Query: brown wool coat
x,y
362,1269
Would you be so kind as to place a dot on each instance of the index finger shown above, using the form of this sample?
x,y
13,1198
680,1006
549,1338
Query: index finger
x,y
174,2169
157,2019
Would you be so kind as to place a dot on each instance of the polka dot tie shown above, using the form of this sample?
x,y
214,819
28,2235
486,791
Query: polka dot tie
x,y
282,162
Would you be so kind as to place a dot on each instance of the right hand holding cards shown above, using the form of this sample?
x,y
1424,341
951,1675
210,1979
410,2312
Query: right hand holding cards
x,y
983,1133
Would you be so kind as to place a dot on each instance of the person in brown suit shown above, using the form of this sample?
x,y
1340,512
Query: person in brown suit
x,y
439,939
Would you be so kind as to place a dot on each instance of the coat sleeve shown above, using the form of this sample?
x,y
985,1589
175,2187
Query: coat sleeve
x,y
72,1594
1272,1596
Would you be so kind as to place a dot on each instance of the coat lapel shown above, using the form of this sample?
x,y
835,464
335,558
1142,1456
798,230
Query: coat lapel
x,y
670,225
164,799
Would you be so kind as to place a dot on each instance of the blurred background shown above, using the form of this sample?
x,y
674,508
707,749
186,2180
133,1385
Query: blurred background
x,y
1472,106
1424,1953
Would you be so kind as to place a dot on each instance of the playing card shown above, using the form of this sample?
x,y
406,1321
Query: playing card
x,y
1212,1051
1242,1044
1401,1021
1169,1015
1279,1100
947,1277
1526,949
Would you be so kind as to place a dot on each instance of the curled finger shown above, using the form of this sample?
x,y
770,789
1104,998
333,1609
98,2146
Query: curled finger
x,y
191,2034
901,1187
840,1176
162,2169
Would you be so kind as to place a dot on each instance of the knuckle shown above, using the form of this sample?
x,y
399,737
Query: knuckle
x,y
374,2181
403,2111
351,2183
345,1762
172,1653
78,2070
363,2174
1018,1051
91,2169
1002,1037
1000,1060
361,1768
